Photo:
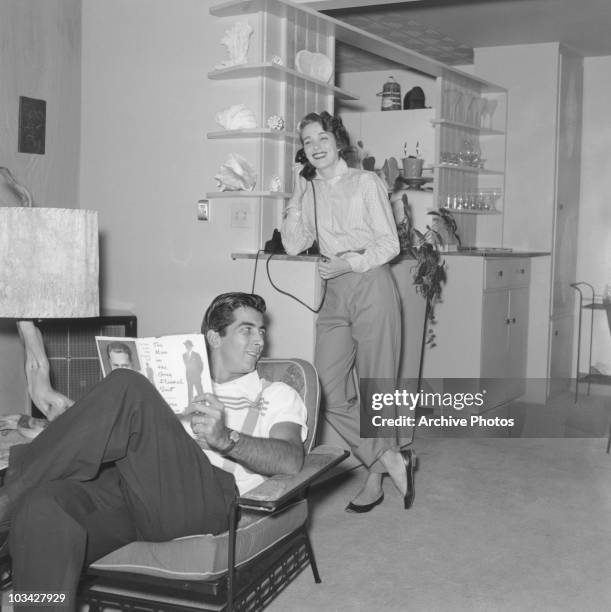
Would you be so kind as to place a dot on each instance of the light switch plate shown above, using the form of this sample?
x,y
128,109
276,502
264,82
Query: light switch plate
x,y
203,210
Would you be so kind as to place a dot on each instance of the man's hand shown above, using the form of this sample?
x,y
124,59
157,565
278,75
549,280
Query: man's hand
x,y
208,422
333,267
281,453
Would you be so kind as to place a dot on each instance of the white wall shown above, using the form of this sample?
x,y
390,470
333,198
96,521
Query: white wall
x,y
594,253
40,58
147,105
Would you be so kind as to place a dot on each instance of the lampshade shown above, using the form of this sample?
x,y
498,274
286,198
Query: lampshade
x,y
48,263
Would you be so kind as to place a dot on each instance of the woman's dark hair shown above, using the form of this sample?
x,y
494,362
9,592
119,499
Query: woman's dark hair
x,y
331,124
219,314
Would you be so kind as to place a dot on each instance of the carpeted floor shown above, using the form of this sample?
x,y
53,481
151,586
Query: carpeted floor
x,y
497,524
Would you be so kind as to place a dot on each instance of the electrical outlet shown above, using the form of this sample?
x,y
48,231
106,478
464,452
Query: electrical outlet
x,y
241,215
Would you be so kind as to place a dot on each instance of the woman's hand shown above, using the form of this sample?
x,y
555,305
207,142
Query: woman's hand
x,y
333,267
299,183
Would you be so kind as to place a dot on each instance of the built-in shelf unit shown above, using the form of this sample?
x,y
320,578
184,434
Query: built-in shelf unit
x,y
471,111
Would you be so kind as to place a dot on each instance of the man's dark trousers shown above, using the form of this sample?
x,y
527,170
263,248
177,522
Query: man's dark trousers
x,y
116,467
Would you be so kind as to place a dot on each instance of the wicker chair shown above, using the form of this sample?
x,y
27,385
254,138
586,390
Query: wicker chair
x,y
241,569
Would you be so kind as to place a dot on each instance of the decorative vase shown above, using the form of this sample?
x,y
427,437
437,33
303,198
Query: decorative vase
x,y
412,167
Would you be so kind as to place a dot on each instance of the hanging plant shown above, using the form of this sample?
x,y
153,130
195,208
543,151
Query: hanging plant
x,y
444,223
429,271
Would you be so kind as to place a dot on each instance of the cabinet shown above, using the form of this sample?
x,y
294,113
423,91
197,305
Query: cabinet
x,y
473,193
505,326
462,142
542,202
271,85
481,331
469,170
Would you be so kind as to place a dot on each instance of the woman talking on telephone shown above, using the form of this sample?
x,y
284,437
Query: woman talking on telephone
x,y
348,212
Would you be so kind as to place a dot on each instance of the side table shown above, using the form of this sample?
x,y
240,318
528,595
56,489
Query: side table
x,y
592,305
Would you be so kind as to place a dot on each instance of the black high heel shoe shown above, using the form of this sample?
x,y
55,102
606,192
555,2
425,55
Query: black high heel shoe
x,y
361,508
409,458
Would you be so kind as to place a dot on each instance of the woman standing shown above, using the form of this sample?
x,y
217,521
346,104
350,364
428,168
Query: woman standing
x,y
348,212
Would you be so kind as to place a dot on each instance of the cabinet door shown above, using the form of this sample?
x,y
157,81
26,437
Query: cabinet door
x,y
517,342
495,341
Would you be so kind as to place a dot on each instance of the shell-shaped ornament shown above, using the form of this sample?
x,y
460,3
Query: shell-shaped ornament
x,y
236,117
236,174
236,41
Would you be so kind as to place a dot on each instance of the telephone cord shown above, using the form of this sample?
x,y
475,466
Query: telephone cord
x,y
282,291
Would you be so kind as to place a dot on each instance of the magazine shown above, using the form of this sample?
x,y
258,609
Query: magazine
x,y
176,364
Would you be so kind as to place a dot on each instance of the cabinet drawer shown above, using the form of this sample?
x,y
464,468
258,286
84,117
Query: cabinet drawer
x,y
520,276
506,272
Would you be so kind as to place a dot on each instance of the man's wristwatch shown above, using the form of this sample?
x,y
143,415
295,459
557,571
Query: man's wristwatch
x,y
234,437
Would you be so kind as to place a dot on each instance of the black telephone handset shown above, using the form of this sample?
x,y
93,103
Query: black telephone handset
x,y
274,245
308,171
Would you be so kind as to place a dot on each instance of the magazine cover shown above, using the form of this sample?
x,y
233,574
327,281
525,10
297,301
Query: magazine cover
x,y
177,364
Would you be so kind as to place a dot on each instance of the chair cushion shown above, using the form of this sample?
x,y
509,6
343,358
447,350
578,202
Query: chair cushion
x,y
302,376
204,557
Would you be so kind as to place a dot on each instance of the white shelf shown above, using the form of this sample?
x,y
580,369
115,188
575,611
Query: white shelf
x,y
470,169
277,256
468,127
218,195
469,211
351,35
253,133
279,73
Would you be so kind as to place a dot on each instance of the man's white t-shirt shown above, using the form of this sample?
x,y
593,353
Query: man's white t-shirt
x,y
253,406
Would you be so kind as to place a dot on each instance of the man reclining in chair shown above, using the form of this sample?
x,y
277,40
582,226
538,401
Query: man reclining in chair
x,y
118,465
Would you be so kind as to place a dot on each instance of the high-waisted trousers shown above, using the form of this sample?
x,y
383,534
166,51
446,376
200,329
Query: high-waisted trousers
x,y
359,327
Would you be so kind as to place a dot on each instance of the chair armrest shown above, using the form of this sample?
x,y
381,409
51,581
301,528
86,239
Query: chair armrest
x,y
272,494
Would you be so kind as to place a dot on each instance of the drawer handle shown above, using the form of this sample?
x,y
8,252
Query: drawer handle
x,y
508,321
500,272
513,320
522,271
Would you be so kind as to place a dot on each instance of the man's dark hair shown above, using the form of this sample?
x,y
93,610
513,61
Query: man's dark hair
x,y
219,314
118,347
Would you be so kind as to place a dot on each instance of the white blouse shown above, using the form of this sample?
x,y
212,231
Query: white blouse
x,y
355,219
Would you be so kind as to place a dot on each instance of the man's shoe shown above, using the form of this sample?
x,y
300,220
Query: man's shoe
x,y
361,508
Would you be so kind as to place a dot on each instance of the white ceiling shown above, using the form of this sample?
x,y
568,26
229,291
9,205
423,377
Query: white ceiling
x,y
449,29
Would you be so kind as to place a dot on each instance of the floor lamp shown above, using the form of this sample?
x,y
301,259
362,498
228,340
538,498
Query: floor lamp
x,y
48,269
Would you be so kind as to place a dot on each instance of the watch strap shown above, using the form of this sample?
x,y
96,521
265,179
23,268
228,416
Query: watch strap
x,y
234,436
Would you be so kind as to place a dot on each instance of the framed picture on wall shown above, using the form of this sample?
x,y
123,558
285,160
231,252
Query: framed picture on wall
x,y
32,125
